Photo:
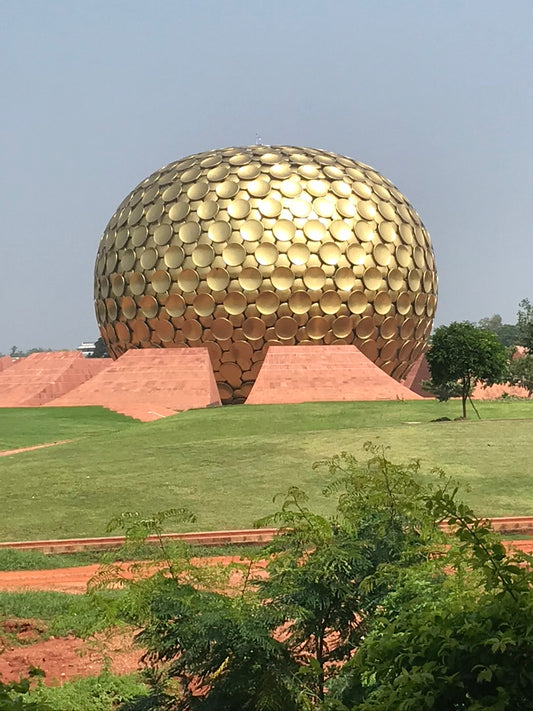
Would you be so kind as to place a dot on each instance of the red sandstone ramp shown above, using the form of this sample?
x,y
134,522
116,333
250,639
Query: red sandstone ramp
x,y
494,392
293,374
5,362
419,372
41,377
150,383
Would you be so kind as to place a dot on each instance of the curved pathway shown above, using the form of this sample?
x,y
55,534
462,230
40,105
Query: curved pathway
x,y
9,452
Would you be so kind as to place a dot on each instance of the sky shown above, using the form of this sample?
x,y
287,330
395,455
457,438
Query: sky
x,y
98,94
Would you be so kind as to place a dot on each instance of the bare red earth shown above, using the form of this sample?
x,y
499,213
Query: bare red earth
x,y
63,658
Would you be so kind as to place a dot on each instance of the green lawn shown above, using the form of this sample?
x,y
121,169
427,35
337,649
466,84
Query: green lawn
x,y
28,426
226,464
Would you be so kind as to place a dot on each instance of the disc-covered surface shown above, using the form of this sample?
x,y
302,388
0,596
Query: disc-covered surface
x,y
237,248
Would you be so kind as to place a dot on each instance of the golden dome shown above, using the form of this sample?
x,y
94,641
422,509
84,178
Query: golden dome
x,y
237,248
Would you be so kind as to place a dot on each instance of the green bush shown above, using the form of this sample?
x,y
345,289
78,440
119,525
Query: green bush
x,y
101,693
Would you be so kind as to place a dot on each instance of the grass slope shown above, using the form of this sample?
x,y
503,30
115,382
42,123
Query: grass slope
x,y
226,464
28,426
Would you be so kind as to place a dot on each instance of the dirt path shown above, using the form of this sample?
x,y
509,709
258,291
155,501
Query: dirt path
x,y
74,580
68,580
9,452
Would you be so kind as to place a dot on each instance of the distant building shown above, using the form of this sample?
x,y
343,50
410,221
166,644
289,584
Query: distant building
x,y
87,348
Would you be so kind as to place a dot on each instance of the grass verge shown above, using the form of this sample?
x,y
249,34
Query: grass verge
x,y
12,559
61,613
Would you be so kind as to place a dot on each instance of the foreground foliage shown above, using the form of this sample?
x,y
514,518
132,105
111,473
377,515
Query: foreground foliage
x,y
101,693
462,642
365,609
521,372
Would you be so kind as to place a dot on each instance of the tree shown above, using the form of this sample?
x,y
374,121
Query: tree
x,y
463,643
491,323
100,350
17,353
507,332
525,324
463,353
521,372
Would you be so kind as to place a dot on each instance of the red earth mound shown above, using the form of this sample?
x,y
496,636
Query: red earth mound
x,y
149,384
40,377
292,374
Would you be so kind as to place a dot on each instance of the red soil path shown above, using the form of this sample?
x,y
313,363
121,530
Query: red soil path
x,y
68,580
75,580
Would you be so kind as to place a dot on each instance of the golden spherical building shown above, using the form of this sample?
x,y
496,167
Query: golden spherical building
x,y
238,248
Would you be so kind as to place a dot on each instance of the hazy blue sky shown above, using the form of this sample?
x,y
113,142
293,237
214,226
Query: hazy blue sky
x,y
438,96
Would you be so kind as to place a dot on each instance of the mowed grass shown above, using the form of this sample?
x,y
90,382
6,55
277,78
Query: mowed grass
x,y
29,426
227,464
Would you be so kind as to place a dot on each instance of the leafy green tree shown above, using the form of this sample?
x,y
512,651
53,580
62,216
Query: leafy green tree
x,y
525,324
507,332
521,372
491,323
465,354
465,643
324,575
